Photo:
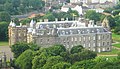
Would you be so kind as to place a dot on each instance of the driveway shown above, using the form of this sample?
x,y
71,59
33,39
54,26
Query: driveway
x,y
7,51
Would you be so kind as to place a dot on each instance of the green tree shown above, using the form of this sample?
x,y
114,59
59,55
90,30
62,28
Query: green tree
x,y
76,49
117,22
49,16
24,61
16,4
19,48
4,31
85,64
115,12
40,60
92,15
56,50
111,21
8,7
4,16
108,10
84,55
103,65
52,61
38,4
61,65
117,6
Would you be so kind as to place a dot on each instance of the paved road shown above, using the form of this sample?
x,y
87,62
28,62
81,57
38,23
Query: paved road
x,y
7,51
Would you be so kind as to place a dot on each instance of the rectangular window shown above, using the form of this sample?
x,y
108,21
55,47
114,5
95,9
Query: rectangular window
x,y
94,44
89,37
79,38
83,45
89,45
84,38
71,38
108,43
99,37
75,38
98,44
93,37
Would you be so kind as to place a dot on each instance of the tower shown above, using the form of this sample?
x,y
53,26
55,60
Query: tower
x,y
17,33
11,33
105,23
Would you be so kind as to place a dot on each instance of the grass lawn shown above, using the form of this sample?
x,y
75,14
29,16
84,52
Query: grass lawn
x,y
113,52
115,37
108,58
116,45
4,43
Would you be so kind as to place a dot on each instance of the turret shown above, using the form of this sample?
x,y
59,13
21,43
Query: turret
x,y
105,23
32,23
12,24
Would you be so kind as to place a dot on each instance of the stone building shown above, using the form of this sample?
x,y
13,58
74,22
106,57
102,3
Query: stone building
x,y
69,33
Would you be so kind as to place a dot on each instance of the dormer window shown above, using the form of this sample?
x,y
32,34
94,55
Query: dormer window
x,y
71,32
98,31
88,31
41,26
63,32
54,26
60,25
67,33
47,26
79,32
83,31
92,31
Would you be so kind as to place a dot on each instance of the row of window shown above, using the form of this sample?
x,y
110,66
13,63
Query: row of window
x,y
63,32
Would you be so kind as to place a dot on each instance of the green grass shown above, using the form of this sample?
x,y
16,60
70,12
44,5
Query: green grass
x,y
4,43
104,58
116,45
115,37
113,52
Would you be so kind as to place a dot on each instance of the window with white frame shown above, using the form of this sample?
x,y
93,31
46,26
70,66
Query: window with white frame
x,y
88,31
79,32
63,32
75,38
98,44
79,38
89,45
89,37
83,45
72,39
99,37
93,37
84,38
94,44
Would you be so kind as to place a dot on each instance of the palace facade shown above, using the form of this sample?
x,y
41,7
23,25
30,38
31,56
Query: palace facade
x,y
68,33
